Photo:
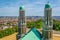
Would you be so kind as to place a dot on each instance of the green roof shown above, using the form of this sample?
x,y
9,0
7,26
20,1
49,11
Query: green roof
x,y
21,7
33,34
48,5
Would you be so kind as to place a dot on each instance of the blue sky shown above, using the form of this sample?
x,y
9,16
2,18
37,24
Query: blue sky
x,y
32,7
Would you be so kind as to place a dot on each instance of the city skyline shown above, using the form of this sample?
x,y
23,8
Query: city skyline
x,y
32,7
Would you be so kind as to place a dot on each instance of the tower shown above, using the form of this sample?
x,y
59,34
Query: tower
x,y
48,22
21,23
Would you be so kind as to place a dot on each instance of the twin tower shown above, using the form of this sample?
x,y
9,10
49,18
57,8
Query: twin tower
x,y
47,23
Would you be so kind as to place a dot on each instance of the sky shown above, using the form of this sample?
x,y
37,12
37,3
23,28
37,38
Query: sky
x,y
32,7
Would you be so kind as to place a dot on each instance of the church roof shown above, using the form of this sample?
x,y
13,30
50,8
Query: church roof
x,y
33,34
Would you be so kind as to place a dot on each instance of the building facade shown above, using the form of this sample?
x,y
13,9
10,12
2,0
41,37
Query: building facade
x,y
48,22
21,23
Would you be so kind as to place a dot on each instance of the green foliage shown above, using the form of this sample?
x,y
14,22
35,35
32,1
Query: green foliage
x,y
37,24
15,29
30,24
56,25
8,31
2,33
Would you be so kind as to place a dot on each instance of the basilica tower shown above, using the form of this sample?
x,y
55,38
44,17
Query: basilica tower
x,y
21,23
48,22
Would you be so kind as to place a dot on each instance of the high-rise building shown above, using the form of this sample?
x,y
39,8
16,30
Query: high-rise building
x,y
48,22
21,23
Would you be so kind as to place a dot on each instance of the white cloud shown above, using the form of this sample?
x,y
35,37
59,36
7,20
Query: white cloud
x,y
32,8
56,11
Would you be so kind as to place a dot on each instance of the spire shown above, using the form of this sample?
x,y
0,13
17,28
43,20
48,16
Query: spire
x,y
48,5
21,7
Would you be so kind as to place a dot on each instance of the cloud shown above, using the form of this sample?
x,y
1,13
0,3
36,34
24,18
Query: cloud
x,y
32,10
56,11
32,7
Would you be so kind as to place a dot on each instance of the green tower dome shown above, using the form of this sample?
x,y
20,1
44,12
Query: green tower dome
x,y
21,7
48,5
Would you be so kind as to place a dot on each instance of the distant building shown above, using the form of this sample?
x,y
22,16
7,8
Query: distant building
x,y
4,27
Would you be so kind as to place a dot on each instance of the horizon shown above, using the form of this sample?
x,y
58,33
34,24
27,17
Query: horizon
x,y
26,16
32,7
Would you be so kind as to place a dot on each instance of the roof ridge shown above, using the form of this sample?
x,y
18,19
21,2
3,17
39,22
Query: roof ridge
x,y
28,32
35,31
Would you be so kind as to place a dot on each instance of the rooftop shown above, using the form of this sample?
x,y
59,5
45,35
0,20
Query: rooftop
x,y
32,34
